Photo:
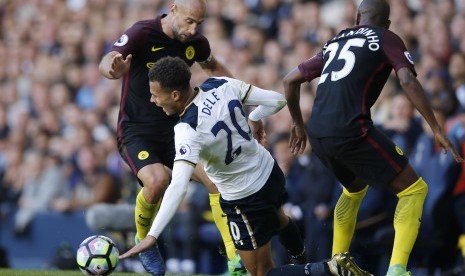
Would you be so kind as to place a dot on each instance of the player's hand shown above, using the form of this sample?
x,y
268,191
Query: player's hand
x,y
298,140
143,245
119,65
446,144
258,132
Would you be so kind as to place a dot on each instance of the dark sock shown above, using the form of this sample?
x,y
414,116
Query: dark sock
x,y
291,239
313,269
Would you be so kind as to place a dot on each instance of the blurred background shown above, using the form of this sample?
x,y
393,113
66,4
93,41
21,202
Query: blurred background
x,y
58,154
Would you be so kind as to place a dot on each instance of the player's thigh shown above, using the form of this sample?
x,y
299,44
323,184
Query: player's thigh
x,y
258,261
154,175
374,159
254,220
324,149
149,155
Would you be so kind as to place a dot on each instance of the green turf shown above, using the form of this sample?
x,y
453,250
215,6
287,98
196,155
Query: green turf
x,y
14,272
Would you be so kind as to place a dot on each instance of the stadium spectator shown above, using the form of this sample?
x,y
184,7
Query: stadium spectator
x,y
44,182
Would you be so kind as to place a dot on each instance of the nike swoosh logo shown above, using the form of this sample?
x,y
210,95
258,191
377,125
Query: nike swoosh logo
x,y
224,215
156,49
140,216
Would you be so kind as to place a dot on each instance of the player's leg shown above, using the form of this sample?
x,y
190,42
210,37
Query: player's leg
x,y
218,215
258,261
235,266
146,163
345,216
346,209
291,238
155,179
411,191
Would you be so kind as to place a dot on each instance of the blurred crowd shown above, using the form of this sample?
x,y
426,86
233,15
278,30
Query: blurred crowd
x,y
58,114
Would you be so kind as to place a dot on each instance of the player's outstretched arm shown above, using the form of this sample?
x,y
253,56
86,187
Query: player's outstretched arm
x,y
174,194
268,103
292,82
114,66
416,95
215,68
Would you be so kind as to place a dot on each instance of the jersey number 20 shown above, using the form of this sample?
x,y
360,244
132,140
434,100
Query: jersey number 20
x,y
221,125
345,54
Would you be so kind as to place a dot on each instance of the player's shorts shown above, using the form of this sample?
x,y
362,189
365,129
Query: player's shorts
x,y
253,220
139,152
374,159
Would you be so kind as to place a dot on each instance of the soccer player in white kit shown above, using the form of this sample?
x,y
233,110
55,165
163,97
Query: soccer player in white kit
x,y
213,129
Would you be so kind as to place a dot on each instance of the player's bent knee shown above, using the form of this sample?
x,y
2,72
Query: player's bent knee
x,y
418,187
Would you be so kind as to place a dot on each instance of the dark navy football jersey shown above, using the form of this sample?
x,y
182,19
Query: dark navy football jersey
x,y
147,43
353,68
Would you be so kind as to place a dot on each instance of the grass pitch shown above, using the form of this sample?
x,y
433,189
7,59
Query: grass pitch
x,y
15,272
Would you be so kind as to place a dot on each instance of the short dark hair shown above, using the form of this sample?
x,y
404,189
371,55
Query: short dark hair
x,y
172,73
377,11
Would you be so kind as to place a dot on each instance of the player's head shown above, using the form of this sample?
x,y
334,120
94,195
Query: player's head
x,y
187,15
169,84
373,12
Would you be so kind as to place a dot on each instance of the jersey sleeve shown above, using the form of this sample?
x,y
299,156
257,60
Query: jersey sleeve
x,y
269,102
172,198
396,52
131,40
312,68
187,144
204,53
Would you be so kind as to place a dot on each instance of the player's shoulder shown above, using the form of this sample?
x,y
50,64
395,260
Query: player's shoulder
x,y
190,116
146,23
215,83
391,35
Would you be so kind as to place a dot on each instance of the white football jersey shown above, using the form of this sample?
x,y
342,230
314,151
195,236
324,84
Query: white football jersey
x,y
214,130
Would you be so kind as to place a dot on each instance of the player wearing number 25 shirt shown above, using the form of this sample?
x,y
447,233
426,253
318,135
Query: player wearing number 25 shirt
x,y
353,68
357,63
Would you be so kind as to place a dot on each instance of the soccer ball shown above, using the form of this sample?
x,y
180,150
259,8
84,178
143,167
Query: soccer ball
x,y
97,255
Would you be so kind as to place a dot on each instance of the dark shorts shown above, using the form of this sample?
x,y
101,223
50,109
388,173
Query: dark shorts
x,y
374,158
139,152
253,220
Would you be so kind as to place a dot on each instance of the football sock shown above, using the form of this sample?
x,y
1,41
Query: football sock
x,y
461,244
407,219
291,239
345,218
222,224
144,214
320,268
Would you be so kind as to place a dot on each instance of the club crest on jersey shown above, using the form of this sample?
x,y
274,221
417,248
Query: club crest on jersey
x,y
143,155
190,52
408,56
122,40
184,150
399,151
